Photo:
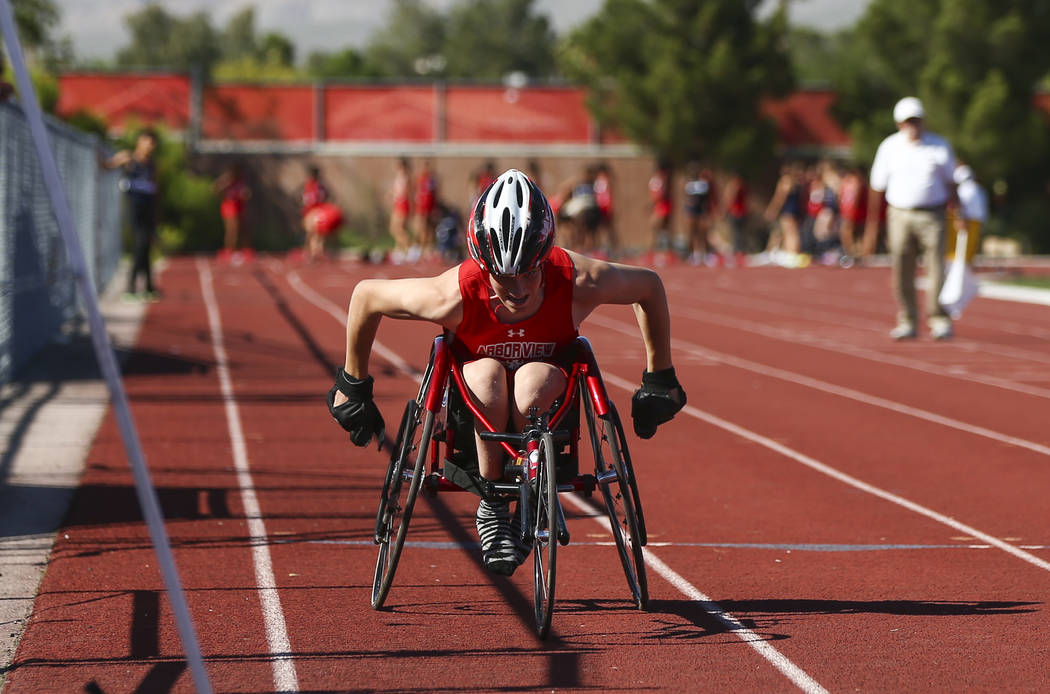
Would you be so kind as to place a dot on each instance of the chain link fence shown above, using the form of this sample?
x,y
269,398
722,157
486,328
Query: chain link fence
x,y
38,294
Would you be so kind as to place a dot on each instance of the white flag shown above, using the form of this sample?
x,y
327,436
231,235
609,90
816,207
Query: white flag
x,y
960,285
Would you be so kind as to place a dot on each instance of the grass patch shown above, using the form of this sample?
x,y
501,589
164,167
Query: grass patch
x,y
1035,281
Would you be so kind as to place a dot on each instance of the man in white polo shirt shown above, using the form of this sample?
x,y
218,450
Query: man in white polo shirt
x,y
914,168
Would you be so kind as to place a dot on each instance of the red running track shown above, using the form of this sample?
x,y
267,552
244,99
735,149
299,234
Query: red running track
x,y
833,512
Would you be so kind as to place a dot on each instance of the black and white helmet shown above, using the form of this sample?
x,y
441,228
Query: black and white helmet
x,y
512,228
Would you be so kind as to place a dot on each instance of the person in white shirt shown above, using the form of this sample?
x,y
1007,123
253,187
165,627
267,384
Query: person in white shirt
x,y
973,208
914,169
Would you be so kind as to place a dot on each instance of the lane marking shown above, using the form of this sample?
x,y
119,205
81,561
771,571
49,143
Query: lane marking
x,y
847,479
284,675
824,386
838,320
777,659
333,310
806,338
769,546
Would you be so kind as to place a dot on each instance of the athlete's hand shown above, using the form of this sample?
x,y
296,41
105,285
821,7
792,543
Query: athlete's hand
x,y
359,414
656,402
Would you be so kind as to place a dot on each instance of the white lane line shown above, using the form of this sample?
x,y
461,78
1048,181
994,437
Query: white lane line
x,y
333,310
851,349
970,347
777,659
843,477
284,676
824,386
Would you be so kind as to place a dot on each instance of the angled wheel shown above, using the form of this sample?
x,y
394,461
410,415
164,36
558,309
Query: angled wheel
x,y
400,489
619,492
545,532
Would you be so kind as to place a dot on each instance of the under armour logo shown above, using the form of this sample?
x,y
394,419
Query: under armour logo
x,y
520,332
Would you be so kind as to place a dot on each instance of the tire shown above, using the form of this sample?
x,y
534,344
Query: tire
x,y
619,493
545,534
399,498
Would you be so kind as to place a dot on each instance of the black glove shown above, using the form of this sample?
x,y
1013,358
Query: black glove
x,y
656,402
359,414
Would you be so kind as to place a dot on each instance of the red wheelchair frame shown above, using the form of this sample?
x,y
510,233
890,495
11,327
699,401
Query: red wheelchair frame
x,y
530,476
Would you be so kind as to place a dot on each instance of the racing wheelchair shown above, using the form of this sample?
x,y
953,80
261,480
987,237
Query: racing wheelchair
x,y
542,462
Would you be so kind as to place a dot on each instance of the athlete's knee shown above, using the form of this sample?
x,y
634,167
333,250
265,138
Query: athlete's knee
x,y
537,384
487,381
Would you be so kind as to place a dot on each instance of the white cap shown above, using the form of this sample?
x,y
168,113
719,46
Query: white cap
x,y
962,174
908,107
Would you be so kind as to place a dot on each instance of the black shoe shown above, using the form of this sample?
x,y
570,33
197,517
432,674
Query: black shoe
x,y
500,535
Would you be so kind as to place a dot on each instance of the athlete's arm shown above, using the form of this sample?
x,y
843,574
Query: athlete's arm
x,y
433,299
118,159
599,282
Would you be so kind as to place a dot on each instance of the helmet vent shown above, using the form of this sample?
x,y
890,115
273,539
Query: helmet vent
x,y
521,193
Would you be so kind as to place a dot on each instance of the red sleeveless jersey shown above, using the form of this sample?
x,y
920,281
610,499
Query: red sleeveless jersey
x,y
542,337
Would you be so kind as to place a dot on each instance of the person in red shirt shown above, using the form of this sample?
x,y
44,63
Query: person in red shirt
x,y
235,195
853,208
426,211
400,210
513,308
660,214
736,211
321,217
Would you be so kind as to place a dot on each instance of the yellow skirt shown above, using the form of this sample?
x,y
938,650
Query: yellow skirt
x,y
973,238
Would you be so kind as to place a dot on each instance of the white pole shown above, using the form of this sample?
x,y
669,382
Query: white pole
x,y
107,361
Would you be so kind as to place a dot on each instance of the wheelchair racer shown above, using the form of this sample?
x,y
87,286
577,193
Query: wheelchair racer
x,y
513,308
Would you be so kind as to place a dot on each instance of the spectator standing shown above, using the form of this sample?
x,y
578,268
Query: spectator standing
x,y
700,209
786,210
735,207
426,208
235,193
660,209
321,217
140,187
401,208
853,209
914,169
603,196
481,180
579,207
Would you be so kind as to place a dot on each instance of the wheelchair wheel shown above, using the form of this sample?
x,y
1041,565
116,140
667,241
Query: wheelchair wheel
x,y
400,489
619,493
545,532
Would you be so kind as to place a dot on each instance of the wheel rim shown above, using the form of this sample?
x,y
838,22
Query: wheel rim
x,y
618,495
546,537
396,514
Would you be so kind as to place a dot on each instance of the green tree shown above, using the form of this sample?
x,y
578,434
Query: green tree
x,y
813,55
413,34
685,78
488,39
348,63
976,64
164,41
881,61
248,57
36,19
238,38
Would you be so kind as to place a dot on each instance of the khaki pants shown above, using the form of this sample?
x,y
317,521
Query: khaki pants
x,y
910,232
